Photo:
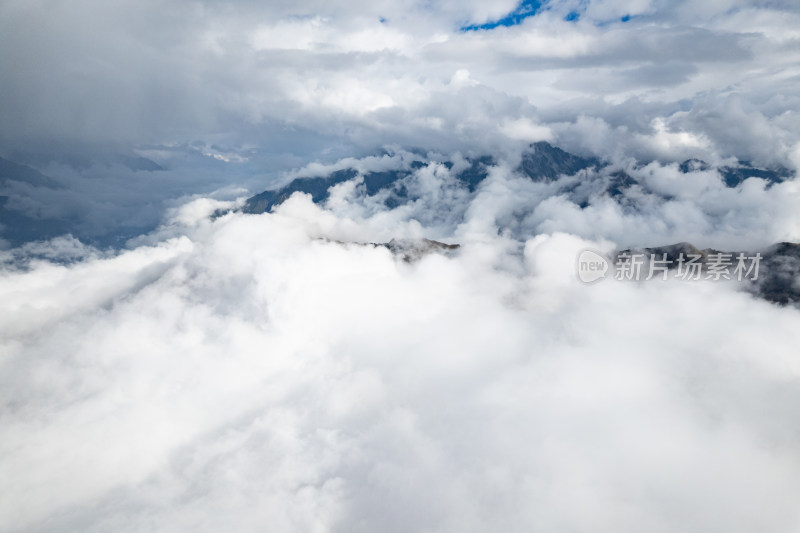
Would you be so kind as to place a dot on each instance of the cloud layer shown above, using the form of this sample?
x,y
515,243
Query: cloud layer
x,y
717,77
229,97
274,372
255,371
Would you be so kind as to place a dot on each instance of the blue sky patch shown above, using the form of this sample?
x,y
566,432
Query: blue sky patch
x,y
527,8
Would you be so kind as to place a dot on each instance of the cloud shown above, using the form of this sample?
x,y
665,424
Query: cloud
x,y
238,96
243,373
107,73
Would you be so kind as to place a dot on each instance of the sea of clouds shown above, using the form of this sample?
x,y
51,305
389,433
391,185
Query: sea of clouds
x,y
277,372
267,371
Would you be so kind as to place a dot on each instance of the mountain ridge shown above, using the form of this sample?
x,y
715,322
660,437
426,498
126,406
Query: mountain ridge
x,y
541,162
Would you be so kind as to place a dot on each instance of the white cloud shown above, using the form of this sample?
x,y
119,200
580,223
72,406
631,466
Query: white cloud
x,y
526,130
251,375
255,372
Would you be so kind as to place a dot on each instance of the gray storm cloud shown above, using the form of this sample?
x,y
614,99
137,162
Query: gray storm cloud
x,y
146,72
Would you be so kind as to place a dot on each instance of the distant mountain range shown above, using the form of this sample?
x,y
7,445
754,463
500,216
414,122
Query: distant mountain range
x,y
579,178
541,162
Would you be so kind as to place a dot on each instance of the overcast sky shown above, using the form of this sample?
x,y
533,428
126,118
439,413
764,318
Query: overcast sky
x,y
647,78
268,372
230,96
